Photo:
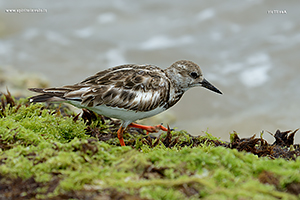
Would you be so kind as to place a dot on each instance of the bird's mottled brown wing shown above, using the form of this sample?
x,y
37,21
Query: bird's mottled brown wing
x,y
133,87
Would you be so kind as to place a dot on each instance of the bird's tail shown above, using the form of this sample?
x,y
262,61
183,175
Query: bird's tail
x,y
48,95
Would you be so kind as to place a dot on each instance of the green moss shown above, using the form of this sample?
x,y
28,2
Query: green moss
x,y
29,125
49,147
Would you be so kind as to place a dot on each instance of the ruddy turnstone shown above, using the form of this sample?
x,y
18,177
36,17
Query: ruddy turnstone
x,y
130,92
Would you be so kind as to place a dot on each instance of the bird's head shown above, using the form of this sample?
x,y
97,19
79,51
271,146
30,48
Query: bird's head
x,y
187,74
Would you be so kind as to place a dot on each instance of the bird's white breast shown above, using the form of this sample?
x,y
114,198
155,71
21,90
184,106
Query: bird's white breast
x,y
126,115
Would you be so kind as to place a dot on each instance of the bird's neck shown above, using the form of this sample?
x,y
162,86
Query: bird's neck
x,y
175,79
177,90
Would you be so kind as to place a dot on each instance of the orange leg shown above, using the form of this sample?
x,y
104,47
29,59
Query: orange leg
x,y
120,136
150,129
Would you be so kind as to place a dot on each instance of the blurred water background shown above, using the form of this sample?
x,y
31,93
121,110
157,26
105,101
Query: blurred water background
x,y
248,49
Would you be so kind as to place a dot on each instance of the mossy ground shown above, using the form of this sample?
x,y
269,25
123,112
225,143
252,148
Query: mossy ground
x,y
49,153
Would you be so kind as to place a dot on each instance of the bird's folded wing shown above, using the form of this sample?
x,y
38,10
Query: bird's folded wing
x,y
135,88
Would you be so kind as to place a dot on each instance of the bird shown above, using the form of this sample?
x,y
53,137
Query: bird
x,y
129,92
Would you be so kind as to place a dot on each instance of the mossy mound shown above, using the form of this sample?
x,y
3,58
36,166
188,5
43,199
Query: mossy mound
x,y
47,152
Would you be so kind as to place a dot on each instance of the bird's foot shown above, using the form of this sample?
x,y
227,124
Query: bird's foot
x,y
151,129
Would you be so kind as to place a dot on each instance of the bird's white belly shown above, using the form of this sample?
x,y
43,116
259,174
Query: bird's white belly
x,y
120,113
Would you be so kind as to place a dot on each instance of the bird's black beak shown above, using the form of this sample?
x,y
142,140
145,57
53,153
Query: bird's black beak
x,y
209,86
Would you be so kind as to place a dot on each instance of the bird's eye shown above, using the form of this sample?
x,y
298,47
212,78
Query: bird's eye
x,y
194,75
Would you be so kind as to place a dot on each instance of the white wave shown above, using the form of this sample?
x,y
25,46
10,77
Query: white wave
x,y
163,41
255,76
84,32
231,68
30,33
57,38
106,18
256,73
206,14
115,57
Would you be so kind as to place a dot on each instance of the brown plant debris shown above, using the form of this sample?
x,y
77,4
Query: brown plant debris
x,y
266,177
283,146
293,188
6,100
285,138
24,189
28,189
